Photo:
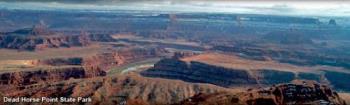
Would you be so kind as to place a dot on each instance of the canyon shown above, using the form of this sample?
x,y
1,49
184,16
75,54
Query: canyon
x,y
141,58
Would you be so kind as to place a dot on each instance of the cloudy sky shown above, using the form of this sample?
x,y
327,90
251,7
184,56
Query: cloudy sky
x,y
299,8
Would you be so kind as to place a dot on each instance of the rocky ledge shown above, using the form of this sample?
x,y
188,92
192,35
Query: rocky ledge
x,y
39,37
199,72
111,90
299,93
31,43
18,80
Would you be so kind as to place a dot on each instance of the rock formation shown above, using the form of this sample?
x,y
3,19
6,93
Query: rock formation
x,y
304,93
129,88
228,71
292,56
40,29
21,79
39,43
199,72
183,54
39,38
137,90
59,61
107,60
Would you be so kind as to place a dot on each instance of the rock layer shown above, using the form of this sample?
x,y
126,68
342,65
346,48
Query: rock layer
x,y
22,79
119,89
41,42
106,61
304,93
200,72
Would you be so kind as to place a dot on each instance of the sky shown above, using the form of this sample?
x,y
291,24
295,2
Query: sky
x,y
294,8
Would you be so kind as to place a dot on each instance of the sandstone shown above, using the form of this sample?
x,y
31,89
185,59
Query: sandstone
x,y
231,72
18,80
40,38
302,93
132,89
40,42
106,61
199,72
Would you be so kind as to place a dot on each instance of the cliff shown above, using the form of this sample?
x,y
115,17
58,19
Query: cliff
x,y
21,79
137,90
304,93
199,72
206,73
106,61
31,43
292,56
230,72
39,38
338,80
59,61
131,88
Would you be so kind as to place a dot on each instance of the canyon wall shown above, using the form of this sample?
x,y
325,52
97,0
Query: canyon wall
x,y
227,77
199,72
21,79
106,61
274,76
304,93
118,89
59,61
296,57
339,80
23,42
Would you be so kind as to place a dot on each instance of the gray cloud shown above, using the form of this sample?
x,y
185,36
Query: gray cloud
x,y
222,6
